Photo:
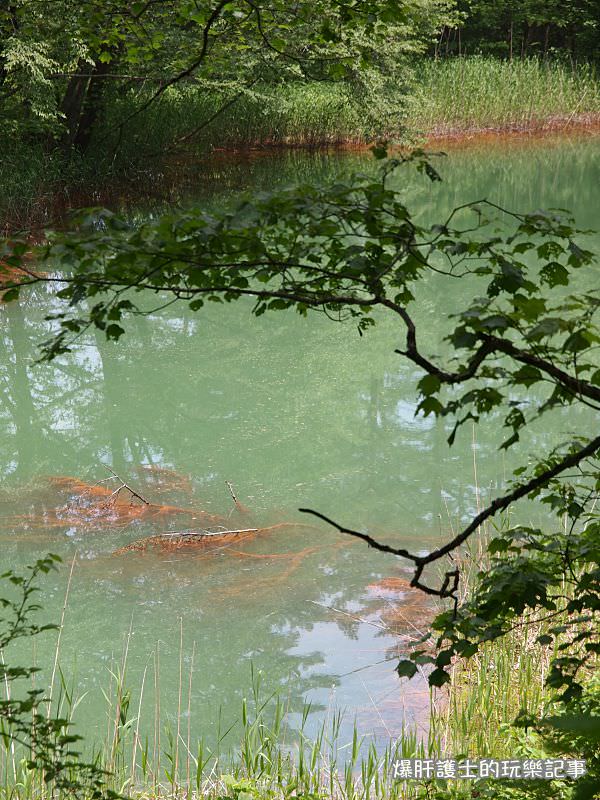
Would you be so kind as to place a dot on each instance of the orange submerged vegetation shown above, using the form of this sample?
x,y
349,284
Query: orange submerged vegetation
x,y
64,501
98,506
404,608
213,541
15,273
162,479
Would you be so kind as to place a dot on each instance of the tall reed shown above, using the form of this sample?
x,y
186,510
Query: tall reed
x,y
442,96
475,93
262,754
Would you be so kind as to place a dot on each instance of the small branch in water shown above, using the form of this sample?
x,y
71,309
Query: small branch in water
x,y
240,506
385,628
229,485
125,486
210,533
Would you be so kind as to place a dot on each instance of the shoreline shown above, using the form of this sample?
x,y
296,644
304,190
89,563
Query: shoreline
x,y
539,128
62,198
555,125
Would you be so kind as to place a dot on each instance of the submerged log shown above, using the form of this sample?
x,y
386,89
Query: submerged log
x,y
215,540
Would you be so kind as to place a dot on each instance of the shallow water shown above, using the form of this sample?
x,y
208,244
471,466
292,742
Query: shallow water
x,y
294,413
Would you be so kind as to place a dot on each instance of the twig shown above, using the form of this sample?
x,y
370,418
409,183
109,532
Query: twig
x,y
125,486
210,533
229,485
450,582
356,618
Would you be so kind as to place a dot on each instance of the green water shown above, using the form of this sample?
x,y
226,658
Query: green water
x,y
294,413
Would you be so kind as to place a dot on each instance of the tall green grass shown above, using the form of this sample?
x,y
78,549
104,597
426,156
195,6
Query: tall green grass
x,y
149,750
505,679
260,755
478,93
456,94
193,119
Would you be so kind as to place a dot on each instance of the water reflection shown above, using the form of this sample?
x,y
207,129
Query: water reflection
x,y
294,414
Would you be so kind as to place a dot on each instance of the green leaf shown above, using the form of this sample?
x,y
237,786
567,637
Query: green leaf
x,y
9,295
406,669
547,327
554,274
428,385
430,405
577,342
438,677
114,332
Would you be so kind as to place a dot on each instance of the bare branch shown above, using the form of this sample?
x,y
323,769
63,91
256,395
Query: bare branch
x,y
451,578
126,486
489,345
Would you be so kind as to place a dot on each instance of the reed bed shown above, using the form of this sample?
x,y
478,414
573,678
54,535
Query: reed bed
x,y
294,115
476,93
444,96
260,755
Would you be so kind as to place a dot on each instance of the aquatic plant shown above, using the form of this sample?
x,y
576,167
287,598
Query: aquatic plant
x,y
218,538
86,506
37,741
475,93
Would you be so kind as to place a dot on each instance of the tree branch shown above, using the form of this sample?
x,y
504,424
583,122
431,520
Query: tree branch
x,y
450,582
214,16
489,345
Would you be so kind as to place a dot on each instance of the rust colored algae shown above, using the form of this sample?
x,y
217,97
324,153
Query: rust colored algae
x,y
212,541
162,479
404,607
97,506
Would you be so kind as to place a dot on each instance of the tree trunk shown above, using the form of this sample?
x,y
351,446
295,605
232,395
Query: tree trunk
x,y
72,104
92,105
82,104
525,39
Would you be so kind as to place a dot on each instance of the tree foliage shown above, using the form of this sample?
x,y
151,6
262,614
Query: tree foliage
x,y
512,28
63,62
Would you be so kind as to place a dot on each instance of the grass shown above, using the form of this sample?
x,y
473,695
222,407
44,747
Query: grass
x,y
302,115
477,93
488,691
270,759
274,760
35,183
148,751
38,183
151,753
457,94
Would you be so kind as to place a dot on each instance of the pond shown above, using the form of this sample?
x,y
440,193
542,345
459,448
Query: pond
x,y
293,413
